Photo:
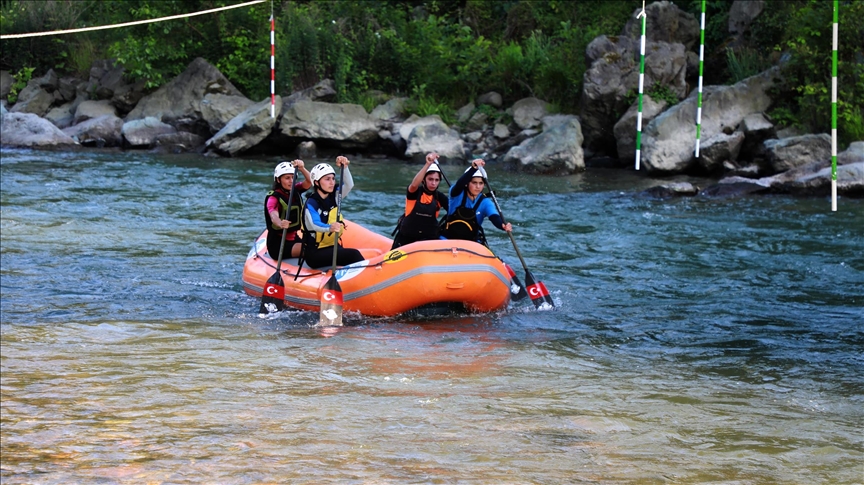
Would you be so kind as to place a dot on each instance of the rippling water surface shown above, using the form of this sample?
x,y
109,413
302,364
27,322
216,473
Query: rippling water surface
x,y
694,341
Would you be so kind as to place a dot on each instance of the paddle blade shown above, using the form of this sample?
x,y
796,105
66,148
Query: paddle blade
x,y
331,304
273,296
538,292
517,289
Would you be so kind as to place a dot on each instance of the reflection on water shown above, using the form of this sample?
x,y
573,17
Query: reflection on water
x,y
695,341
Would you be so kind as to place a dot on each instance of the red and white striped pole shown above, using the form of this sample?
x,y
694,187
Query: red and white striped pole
x,y
272,66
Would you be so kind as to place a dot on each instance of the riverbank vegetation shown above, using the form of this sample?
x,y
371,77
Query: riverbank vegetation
x,y
442,53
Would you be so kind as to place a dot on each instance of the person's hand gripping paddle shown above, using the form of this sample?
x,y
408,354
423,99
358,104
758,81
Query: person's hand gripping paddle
x,y
536,289
273,295
331,293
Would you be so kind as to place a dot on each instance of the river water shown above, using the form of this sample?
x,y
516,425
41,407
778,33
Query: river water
x,y
694,340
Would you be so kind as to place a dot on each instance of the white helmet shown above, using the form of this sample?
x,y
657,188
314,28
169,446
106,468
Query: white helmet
x,y
283,169
478,173
320,170
433,168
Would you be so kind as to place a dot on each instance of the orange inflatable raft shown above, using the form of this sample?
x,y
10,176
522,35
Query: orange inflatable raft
x,y
424,274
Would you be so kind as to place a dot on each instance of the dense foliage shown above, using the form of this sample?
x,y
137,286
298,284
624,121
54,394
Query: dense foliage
x,y
442,53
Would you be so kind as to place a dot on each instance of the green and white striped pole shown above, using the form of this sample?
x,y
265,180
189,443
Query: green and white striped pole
x,y
641,88
699,95
834,109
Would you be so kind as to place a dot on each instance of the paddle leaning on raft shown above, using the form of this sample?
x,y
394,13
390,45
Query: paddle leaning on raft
x,y
446,273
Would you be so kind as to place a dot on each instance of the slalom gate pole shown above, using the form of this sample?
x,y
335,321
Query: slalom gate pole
x,y
272,62
834,108
641,88
699,95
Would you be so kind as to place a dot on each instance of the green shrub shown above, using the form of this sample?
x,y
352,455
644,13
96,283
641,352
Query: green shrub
x,y
21,78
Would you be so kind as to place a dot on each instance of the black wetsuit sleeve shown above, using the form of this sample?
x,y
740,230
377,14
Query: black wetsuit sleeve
x,y
496,221
460,184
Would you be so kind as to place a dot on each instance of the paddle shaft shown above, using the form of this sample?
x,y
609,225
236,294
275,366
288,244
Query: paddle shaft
x,y
285,230
338,213
504,222
442,174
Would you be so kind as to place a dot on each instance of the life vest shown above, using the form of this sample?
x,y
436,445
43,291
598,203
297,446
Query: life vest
x,y
462,223
282,197
327,211
422,220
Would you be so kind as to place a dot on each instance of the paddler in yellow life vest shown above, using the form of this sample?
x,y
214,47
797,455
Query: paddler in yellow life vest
x,y
280,213
320,227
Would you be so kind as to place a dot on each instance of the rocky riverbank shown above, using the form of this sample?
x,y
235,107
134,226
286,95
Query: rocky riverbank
x,y
201,111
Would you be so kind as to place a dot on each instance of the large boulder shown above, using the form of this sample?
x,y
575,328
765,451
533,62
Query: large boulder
x,y
435,137
29,130
62,116
102,131
143,133
324,91
528,112
393,110
625,128
344,125
612,82
93,109
33,99
557,150
246,130
181,97
669,140
218,109
406,127
666,23
789,153
720,148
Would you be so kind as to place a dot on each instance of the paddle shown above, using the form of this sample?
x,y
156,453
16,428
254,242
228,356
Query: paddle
x,y
331,293
536,289
273,296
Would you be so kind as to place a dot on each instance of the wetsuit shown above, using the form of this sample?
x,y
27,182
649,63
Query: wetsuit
x,y
278,200
420,222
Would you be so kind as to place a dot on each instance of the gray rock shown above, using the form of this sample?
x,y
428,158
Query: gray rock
x,y
491,98
48,82
346,125
720,148
142,133
246,130
218,109
62,116
625,128
435,138
93,109
393,110
669,139
33,99
674,189
179,142
556,150
29,130
307,150
463,113
528,112
501,131
324,91
742,13
789,153
414,121
666,23
853,154
106,128
181,97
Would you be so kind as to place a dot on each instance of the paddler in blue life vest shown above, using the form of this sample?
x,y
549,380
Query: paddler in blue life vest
x,y
320,226
280,213
423,200
469,206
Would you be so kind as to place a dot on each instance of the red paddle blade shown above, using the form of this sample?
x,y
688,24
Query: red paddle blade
x,y
331,304
273,295
537,291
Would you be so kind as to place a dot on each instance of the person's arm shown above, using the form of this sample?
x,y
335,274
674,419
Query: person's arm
x,y
312,220
487,208
444,201
347,182
460,185
418,179
273,210
307,177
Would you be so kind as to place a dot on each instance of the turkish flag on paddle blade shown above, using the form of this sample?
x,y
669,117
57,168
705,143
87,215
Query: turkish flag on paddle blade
x,y
331,297
538,290
274,291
